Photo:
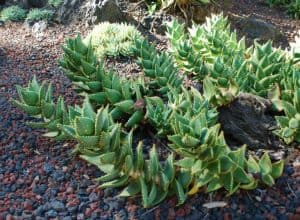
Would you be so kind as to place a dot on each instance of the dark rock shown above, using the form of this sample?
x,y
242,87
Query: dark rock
x,y
123,214
48,168
82,206
97,11
26,215
2,59
34,3
66,11
51,214
40,189
73,209
108,192
248,120
53,192
114,205
289,170
106,207
58,175
57,206
39,211
82,192
256,28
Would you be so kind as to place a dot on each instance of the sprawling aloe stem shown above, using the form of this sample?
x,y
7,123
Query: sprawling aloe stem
x,y
184,117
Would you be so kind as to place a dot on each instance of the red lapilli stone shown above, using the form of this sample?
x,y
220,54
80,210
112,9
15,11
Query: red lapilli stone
x,y
157,214
171,214
180,212
227,216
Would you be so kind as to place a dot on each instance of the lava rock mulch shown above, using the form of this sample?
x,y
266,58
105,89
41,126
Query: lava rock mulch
x,y
40,180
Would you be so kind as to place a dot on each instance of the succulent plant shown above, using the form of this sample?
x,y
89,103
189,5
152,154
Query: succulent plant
x,y
289,123
266,64
113,107
113,39
159,67
36,100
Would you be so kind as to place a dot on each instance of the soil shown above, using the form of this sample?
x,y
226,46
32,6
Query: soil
x,y
39,179
259,8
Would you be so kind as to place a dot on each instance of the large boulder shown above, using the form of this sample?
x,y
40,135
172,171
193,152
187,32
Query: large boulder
x,y
91,11
256,28
249,120
104,10
67,11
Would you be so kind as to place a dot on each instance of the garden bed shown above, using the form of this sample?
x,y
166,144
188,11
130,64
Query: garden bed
x,y
39,178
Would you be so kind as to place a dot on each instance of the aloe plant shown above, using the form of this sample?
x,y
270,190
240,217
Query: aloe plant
x,y
195,134
113,39
104,126
213,51
37,100
102,86
159,67
289,123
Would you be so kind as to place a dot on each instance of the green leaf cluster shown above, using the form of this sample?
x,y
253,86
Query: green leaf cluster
x,y
36,100
104,126
37,14
13,13
113,39
212,51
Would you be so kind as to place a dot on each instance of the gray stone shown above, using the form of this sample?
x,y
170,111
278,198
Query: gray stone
x,y
67,9
93,197
48,168
256,28
91,12
57,205
39,27
104,10
51,214
67,218
108,192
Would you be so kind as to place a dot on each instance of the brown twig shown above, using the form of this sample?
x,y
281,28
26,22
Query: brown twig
x,y
150,210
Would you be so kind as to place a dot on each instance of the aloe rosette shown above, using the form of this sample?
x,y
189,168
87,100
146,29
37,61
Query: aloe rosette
x,y
104,126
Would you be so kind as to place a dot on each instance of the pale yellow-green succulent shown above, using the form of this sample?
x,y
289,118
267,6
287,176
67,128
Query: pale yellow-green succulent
x,y
113,39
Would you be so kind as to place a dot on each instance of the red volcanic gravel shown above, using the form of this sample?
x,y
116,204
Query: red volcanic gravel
x,y
39,179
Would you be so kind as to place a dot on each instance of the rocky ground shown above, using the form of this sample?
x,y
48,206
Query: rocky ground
x,y
40,180
274,18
